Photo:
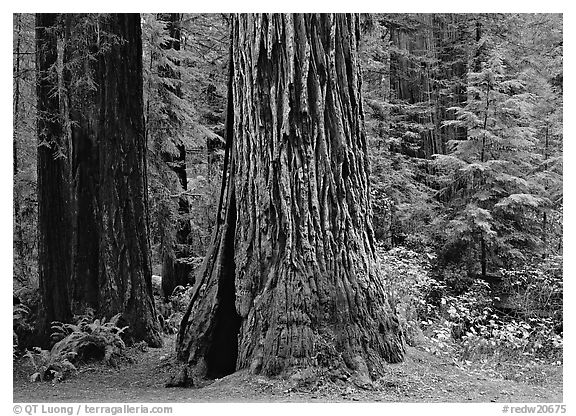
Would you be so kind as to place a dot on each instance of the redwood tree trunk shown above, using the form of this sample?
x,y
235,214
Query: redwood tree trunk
x,y
19,253
292,279
54,210
84,111
124,263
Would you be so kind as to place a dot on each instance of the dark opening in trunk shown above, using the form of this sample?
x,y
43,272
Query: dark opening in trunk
x,y
223,352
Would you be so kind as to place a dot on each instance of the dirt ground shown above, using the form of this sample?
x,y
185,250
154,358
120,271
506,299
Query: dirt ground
x,y
422,377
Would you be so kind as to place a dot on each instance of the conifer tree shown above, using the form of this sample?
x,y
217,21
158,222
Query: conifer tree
x,y
54,175
291,279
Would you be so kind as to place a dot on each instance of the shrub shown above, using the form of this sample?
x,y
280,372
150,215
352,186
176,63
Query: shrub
x,y
89,339
181,297
480,333
462,321
24,316
406,274
50,367
20,325
537,292
86,340
512,340
179,300
170,313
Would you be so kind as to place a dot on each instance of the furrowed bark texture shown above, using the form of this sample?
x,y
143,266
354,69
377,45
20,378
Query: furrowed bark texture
x,y
19,252
124,264
84,112
292,279
54,211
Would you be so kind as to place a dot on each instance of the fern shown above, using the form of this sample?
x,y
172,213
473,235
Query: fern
x,y
20,325
49,366
87,339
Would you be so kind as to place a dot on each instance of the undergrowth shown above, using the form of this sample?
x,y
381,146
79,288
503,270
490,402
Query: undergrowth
x,y
472,326
87,340
170,313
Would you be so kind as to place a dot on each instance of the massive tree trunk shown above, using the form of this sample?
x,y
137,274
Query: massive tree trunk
x,y
19,253
175,268
125,284
92,188
291,280
16,94
54,210
84,111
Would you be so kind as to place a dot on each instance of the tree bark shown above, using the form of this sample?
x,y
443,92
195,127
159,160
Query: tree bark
x,y
16,98
54,211
292,280
17,221
84,111
124,263
483,257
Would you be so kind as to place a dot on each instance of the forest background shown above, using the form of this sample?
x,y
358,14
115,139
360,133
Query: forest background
x,y
408,128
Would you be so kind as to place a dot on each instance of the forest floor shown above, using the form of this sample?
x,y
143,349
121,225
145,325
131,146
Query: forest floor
x,y
422,377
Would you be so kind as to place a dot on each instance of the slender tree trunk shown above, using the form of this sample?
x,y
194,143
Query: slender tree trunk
x,y
545,233
54,210
478,55
291,280
485,125
124,262
483,254
545,214
483,260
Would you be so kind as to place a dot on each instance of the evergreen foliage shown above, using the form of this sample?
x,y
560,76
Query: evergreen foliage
x,y
184,101
491,194
463,117
498,185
